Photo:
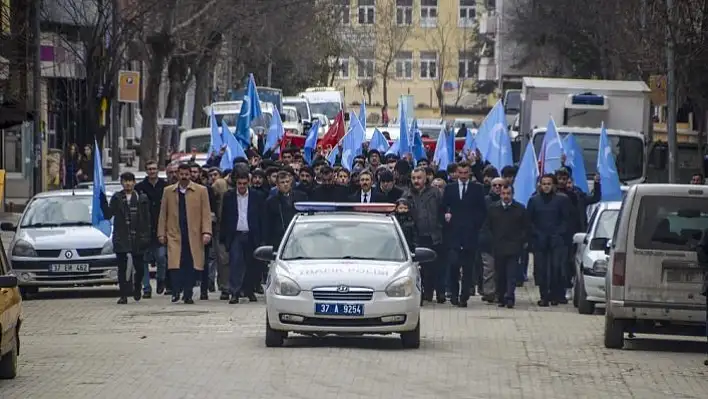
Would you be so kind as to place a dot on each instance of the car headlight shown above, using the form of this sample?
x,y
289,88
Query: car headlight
x,y
23,248
599,266
107,248
401,288
285,286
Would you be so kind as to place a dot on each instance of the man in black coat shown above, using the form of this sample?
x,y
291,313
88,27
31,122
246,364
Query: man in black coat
x,y
366,194
153,186
280,208
507,228
242,229
328,190
387,187
464,212
132,233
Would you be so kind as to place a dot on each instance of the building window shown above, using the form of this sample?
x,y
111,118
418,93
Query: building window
x,y
404,12
367,12
343,67
428,65
466,68
345,12
404,65
468,13
428,13
365,69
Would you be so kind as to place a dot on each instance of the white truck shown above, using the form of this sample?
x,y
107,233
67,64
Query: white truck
x,y
580,107
325,100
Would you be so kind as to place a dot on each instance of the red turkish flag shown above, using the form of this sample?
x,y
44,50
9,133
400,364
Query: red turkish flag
x,y
335,132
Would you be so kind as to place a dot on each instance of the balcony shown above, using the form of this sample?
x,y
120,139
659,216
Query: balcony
x,y
488,23
487,69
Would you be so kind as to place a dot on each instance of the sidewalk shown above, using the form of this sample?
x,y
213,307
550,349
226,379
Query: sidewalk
x,y
9,217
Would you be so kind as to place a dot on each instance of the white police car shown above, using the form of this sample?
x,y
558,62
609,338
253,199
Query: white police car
x,y
343,269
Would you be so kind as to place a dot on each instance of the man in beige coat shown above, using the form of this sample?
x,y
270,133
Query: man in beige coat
x,y
185,227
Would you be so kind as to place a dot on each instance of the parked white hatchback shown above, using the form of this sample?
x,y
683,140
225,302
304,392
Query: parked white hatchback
x,y
343,269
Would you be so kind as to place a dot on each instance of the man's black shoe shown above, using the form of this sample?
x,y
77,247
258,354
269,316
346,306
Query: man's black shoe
x,y
175,298
510,305
563,301
542,303
224,296
554,303
122,300
259,289
454,301
519,284
168,291
462,304
203,296
137,295
233,300
212,286
147,294
501,304
441,300
189,301
160,287
252,298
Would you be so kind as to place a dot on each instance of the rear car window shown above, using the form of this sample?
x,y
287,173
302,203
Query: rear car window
x,y
671,223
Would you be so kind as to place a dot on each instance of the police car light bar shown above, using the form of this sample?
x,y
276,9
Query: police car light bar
x,y
313,207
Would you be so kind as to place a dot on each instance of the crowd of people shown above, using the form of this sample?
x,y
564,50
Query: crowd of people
x,y
201,225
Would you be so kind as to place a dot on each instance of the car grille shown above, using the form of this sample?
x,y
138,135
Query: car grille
x,y
48,253
333,294
54,253
89,251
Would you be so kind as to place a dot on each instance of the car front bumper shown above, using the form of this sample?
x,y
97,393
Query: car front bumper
x,y
382,315
594,288
35,273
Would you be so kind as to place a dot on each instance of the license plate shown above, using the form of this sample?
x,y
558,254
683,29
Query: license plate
x,y
339,309
69,268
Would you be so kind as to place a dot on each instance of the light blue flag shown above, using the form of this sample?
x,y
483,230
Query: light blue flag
x,y
607,168
99,187
358,133
451,150
216,139
311,142
574,159
499,154
394,147
332,156
404,144
418,147
470,144
362,113
351,144
552,148
275,132
493,122
250,111
233,150
441,157
527,176
378,142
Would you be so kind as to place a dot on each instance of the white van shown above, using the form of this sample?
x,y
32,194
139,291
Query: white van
x,y
303,109
654,281
325,100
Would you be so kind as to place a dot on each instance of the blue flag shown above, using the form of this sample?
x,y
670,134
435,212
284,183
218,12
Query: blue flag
x,y
394,147
351,144
216,138
418,147
470,144
311,142
250,111
332,156
233,150
574,159
275,132
607,168
99,187
378,142
404,144
489,126
441,157
362,113
499,153
451,150
552,149
527,176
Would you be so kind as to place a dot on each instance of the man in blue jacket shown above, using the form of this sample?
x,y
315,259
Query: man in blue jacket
x,y
549,213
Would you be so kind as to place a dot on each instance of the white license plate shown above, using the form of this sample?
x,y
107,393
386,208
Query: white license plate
x,y
69,268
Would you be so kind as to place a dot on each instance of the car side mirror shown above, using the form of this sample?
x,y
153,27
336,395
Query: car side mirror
x,y
264,253
7,226
608,247
424,255
579,238
599,244
8,281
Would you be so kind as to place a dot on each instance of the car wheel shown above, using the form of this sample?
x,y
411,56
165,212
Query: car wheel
x,y
8,363
27,292
614,333
575,292
274,338
411,339
584,306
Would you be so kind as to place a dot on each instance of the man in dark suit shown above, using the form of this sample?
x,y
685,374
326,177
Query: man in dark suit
x,y
465,211
366,194
280,208
242,230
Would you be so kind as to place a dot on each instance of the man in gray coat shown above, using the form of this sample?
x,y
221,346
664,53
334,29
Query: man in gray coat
x,y
426,209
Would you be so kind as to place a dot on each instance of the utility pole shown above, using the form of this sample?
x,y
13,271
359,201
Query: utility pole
x,y
115,105
37,99
671,92
498,51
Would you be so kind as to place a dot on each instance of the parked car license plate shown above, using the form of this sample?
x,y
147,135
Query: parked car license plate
x,y
339,309
69,268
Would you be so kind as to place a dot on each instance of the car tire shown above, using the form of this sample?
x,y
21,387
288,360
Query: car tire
x,y
8,362
411,339
575,292
274,338
584,306
614,332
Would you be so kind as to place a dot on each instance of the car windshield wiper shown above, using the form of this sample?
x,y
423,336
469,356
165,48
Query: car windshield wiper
x,y
69,224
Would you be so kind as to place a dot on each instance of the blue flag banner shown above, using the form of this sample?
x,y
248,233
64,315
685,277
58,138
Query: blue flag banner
x,y
378,142
250,111
404,145
311,142
99,187
418,147
233,150
493,122
362,113
607,168
552,148
441,156
499,153
470,144
394,149
574,159
527,176
275,132
217,140
332,156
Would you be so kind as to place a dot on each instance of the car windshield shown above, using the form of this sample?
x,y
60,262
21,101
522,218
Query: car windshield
x,y
344,240
512,102
301,107
670,222
289,115
628,151
201,143
606,224
330,110
61,210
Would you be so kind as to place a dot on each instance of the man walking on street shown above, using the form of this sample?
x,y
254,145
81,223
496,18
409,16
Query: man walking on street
x,y
489,284
153,187
242,228
280,208
184,226
507,228
131,233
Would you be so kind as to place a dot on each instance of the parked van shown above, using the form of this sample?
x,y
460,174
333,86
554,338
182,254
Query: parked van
x,y
654,281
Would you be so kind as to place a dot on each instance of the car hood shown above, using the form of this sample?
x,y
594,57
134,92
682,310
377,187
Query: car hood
x,y
63,237
358,273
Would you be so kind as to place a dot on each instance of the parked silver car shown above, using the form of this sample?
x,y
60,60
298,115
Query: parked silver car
x,y
55,244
